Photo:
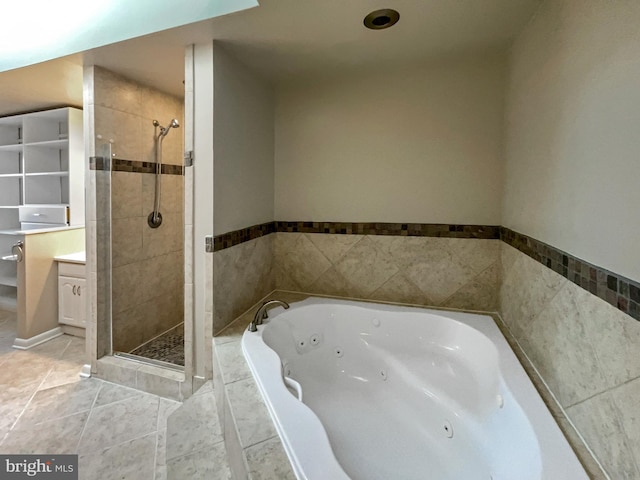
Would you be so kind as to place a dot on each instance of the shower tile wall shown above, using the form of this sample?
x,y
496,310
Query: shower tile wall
x,y
147,264
446,272
586,351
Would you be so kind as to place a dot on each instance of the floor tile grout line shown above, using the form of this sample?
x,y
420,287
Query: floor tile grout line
x,y
102,449
64,350
208,448
93,407
84,427
31,398
155,452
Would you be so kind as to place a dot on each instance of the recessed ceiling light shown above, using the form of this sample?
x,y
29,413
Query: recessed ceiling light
x,y
379,19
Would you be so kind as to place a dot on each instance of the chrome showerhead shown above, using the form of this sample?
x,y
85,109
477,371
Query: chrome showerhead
x,y
165,130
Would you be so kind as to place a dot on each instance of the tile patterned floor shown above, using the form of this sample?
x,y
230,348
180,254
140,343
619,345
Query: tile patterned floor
x,y
119,433
169,347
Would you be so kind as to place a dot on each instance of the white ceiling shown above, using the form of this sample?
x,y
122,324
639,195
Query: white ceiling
x,y
283,40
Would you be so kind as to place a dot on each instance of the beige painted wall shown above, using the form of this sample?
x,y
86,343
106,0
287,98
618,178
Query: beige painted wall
x,y
572,143
243,145
416,145
38,279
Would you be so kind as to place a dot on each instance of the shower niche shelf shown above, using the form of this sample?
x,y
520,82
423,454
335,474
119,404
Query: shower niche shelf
x,y
41,163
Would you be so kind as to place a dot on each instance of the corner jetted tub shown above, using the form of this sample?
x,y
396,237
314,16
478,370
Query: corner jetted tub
x,y
367,391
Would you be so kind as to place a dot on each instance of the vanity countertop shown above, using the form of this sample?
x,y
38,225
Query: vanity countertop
x,y
34,231
78,257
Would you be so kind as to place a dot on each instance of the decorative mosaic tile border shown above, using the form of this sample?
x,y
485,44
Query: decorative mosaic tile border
x,y
99,163
400,229
236,237
230,239
618,291
122,165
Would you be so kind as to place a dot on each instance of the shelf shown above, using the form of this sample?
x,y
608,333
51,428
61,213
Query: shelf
x,y
45,152
8,281
47,174
59,144
9,206
11,148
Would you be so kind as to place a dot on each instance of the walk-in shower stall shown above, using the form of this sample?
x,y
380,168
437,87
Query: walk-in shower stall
x,y
140,220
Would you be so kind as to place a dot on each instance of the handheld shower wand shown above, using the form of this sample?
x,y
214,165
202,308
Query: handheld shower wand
x,y
155,218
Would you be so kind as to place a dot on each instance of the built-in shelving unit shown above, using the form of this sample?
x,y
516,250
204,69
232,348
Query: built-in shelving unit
x,y
41,164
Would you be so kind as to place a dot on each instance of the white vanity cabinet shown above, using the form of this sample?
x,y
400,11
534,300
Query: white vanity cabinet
x,y
72,301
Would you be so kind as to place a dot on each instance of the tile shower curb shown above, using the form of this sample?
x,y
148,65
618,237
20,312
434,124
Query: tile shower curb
x,y
144,377
615,289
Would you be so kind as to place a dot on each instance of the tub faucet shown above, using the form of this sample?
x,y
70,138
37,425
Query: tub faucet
x,y
261,314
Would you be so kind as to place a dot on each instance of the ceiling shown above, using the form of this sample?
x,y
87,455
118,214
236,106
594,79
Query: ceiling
x,y
283,40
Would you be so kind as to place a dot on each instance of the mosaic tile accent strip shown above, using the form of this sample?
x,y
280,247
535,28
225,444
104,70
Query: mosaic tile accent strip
x,y
236,237
618,291
99,163
122,165
230,239
400,229
208,244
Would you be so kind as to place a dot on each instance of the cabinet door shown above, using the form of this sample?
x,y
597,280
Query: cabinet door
x,y
71,301
81,302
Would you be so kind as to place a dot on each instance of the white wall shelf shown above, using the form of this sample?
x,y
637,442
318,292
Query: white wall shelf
x,y
11,148
8,280
41,164
49,174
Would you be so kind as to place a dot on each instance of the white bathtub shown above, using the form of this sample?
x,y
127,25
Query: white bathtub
x,y
405,393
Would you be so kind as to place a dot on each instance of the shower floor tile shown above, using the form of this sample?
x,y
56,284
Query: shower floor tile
x,y
169,347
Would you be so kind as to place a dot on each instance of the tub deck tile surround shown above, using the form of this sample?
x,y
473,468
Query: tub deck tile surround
x,y
249,461
254,448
